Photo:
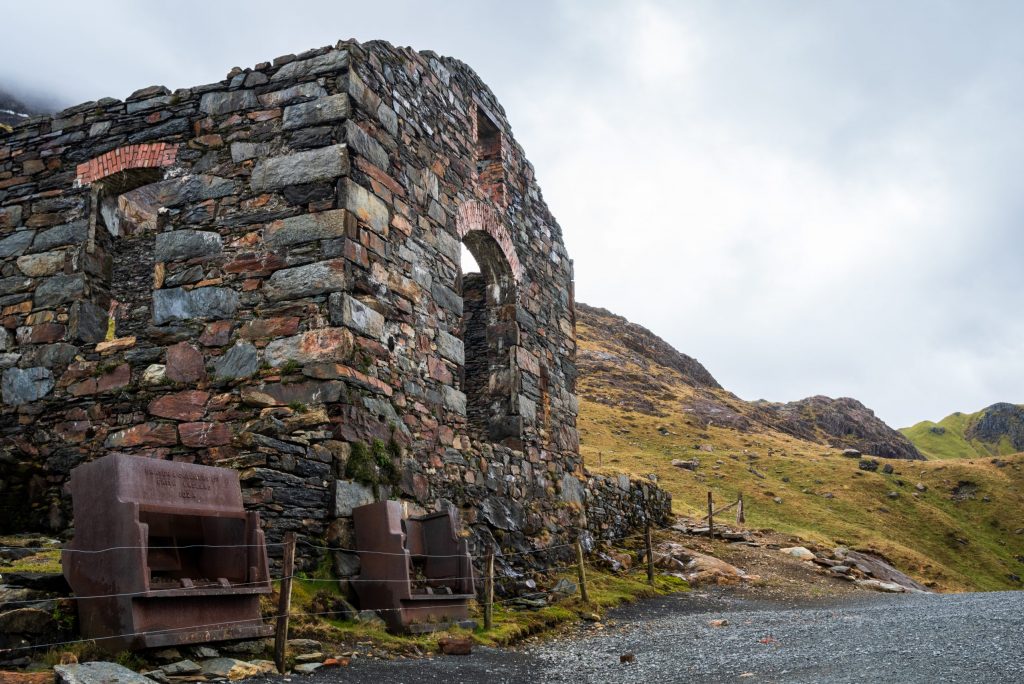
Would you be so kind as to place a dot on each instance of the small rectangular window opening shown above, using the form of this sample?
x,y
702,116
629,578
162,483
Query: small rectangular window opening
x,y
489,163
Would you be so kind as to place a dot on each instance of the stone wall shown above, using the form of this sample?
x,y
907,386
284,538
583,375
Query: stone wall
x,y
264,273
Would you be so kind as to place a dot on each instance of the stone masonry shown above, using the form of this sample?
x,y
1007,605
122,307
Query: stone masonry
x,y
264,273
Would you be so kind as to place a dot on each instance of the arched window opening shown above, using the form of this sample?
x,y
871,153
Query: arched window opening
x,y
489,332
121,251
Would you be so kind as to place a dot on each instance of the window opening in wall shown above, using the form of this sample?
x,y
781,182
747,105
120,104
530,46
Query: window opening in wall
x,y
488,331
490,167
121,259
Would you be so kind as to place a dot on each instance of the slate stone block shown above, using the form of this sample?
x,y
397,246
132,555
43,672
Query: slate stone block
x,y
324,163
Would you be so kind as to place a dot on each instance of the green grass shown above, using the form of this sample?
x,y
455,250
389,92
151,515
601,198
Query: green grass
x,y
606,590
946,439
922,533
918,533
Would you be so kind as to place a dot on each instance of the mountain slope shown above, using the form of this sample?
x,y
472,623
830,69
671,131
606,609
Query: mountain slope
x,y
12,111
997,430
639,414
631,361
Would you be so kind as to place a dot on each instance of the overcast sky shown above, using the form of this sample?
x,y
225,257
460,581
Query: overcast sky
x,y
809,197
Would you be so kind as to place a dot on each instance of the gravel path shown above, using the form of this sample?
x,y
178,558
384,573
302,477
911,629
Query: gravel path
x,y
869,638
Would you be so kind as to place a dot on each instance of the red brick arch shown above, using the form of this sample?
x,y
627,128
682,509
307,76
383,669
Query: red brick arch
x,y
476,215
141,156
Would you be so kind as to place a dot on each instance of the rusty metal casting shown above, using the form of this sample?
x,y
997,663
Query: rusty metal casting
x,y
176,538
416,571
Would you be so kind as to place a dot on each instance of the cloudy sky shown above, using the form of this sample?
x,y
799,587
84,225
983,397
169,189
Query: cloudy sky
x,y
809,197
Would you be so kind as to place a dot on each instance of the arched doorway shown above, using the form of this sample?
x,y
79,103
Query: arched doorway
x,y
488,282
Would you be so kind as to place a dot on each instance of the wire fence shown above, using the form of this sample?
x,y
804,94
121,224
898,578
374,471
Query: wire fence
x,y
294,576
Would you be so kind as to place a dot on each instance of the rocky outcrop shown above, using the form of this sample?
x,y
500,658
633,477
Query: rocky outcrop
x,y
626,366
641,346
842,423
998,422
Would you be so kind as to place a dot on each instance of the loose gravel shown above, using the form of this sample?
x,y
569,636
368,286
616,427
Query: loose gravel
x,y
858,638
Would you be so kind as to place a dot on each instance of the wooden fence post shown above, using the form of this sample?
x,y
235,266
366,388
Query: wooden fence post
x,y
650,553
740,518
584,594
489,592
711,517
284,605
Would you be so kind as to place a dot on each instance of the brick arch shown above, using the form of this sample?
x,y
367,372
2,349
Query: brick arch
x,y
141,156
475,215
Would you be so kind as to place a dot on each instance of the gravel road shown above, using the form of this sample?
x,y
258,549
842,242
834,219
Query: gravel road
x,y
860,638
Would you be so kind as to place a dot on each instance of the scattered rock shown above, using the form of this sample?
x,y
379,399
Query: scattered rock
x,y
691,464
718,623
305,646
879,585
627,658
307,668
229,668
182,667
799,552
456,645
97,673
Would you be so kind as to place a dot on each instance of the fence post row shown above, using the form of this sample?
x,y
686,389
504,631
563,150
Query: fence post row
x,y
489,592
584,594
285,602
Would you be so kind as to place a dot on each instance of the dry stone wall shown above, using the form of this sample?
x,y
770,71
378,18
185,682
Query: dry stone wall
x,y
264,273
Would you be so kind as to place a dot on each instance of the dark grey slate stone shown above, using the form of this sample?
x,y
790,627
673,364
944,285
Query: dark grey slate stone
x,y
305,281
240,361
98,673
454,400
367,207
573,490
50,355
450,347
176,304
352,313
192,274
306,228
241,151
20,386
87,322
179,245
229,101
10,217
318,111
73,233
360,141
348,495
302,167
288,95
335,60
14,284
447,298
59,289
16,243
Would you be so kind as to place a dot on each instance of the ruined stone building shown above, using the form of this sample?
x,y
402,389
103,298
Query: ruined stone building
x,y
264,273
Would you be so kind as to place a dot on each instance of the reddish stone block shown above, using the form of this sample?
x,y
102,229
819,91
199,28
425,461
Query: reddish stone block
x,y
204,434
216,334
266,328
46,333
147,434
185,363
115,379
255,264
188,405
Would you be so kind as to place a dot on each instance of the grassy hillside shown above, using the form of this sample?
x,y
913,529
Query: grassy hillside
x,y
949,438
957,532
